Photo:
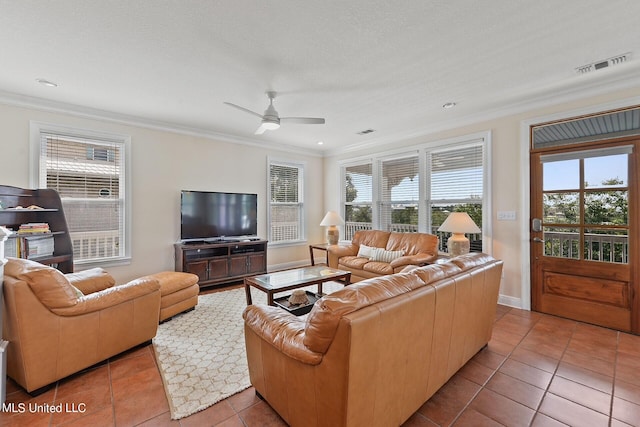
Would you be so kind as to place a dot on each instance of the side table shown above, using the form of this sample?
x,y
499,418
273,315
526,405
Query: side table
x,y
317,246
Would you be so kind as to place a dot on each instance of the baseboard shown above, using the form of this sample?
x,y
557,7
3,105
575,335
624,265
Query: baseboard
x,y
286,266
510,301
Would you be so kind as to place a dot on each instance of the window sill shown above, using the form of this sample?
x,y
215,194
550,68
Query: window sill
x,y
288,243
111,262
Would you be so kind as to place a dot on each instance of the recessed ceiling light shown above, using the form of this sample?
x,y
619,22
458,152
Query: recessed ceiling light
x,y
448,105
320,143
47,82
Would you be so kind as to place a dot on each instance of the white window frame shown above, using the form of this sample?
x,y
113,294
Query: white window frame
x,y
381,222
424,150
36,131
343,189
301,166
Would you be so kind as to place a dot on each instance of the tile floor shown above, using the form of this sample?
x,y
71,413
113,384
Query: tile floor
x,y
537,370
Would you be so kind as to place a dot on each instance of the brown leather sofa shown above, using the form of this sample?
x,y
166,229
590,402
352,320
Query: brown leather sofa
x,y
417,249
59,324
373,352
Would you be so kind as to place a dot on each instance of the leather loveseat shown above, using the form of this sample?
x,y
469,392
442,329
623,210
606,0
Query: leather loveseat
x,y
59,324
375,253
373,352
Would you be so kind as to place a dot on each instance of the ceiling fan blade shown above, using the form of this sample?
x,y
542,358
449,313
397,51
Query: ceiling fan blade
x,y
243,109
260,130
303,120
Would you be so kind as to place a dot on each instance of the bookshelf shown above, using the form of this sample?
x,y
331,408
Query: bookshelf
x,y
50,212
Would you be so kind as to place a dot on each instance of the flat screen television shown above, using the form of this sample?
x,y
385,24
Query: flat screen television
x,y
210,216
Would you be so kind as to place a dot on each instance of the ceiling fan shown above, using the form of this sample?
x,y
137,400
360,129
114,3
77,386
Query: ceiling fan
x,y
271,120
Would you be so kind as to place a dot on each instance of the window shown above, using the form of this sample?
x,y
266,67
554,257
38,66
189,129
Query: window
x,y
88,171
286,208
399,195
414,192
358,193
457,185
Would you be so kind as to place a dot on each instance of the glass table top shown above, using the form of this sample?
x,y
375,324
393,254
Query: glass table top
x,y
298,276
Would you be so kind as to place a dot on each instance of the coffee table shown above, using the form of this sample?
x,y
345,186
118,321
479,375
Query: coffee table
x,y
286,280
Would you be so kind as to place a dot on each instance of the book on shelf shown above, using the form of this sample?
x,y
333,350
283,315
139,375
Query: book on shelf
x,y
34,228
29,245
35,247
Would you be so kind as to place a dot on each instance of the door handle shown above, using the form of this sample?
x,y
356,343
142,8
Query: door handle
x,y
538,240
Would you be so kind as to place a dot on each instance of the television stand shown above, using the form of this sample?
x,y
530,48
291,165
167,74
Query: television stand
x,y
221,262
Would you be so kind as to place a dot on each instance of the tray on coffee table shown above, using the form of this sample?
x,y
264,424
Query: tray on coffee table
x,y
297,309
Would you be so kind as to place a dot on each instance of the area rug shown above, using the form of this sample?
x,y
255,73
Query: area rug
x,y
201,354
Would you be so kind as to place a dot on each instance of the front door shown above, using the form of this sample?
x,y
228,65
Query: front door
x,y
584,233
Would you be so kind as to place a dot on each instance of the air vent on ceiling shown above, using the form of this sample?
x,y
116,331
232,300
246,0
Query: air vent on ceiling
x,y
366,131
599,65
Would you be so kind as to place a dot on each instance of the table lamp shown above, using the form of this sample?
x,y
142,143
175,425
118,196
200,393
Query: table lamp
x,y
332,219
458,223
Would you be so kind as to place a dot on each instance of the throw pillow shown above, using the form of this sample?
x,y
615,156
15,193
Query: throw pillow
x,y
382,255
365,251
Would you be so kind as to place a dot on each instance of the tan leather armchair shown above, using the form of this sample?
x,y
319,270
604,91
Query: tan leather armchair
x,y
59,324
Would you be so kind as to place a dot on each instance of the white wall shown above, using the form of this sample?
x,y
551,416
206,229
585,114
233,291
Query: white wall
x,y
509,181
163,163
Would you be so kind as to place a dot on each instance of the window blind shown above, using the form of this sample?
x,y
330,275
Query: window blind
x,y
357,198
456,184
89,176
286,202
399,194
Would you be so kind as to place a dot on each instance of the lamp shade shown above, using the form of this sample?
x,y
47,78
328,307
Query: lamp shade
x,y
459,222
332,218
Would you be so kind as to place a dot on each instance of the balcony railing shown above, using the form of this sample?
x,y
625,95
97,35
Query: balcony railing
x,y
597,247
285,231
350,229
95,244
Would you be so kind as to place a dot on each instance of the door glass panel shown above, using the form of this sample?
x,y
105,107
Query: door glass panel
x,y
561,208
606,171
606,245
607,207
561,242
561,175
595,211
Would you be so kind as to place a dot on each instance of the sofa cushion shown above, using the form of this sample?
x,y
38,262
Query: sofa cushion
x,y
91,280
322,321
353,262
380,268
383,255
373,238
413,243
48,284
434,272
470,260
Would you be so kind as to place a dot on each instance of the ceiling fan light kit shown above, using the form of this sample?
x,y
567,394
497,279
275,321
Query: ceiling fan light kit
x,y
270,120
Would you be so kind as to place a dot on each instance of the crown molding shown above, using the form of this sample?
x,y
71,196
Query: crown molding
x,y
17,100
574,89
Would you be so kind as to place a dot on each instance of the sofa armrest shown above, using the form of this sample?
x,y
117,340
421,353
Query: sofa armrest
x,y
92,280
417,259
282,330
335,252
110,297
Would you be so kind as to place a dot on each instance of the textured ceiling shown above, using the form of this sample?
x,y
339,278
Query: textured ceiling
x,y
361,64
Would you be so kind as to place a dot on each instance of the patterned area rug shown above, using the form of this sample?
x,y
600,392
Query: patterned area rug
x,y
201,354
